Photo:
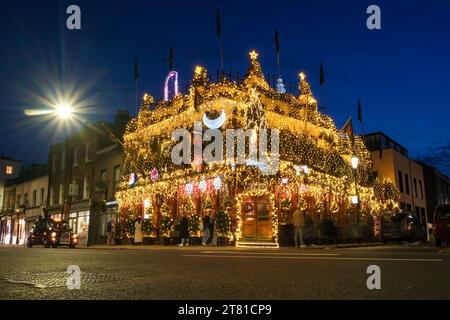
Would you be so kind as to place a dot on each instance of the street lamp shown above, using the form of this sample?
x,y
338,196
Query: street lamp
x,y
355,164
64,111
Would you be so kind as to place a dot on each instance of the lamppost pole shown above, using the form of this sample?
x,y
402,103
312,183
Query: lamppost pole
x,y
355,163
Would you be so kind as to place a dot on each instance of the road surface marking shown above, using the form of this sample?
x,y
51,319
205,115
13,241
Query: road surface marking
x,y
274,253
311,258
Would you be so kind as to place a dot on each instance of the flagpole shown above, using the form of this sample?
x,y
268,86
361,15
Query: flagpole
x,y
221,54
277,50
136,86
323,89
136,76
278,64
219,35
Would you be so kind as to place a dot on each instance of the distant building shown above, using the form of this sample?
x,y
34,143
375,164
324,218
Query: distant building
x,y
391,161
437,187
24,198
9,169
81,170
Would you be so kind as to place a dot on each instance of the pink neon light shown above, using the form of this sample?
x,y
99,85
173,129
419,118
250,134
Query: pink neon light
x,y
166,84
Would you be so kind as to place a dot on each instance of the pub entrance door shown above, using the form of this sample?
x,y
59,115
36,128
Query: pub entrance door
x,y
256,219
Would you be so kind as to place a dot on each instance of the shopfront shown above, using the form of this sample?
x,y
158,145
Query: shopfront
x,y
79,223
101,215
6,230
32,215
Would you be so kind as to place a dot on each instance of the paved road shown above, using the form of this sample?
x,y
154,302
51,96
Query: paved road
x,y
407,272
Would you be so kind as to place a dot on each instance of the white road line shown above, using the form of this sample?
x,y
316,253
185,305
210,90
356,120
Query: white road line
x,y
311,258
274,253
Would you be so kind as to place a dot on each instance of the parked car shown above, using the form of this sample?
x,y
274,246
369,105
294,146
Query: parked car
x,y
402,226
441,224
49,232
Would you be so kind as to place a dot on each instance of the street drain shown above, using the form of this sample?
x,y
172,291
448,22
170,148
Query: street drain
x,y
57,279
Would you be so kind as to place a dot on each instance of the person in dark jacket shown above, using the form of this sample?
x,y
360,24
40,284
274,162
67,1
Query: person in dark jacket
x,y
184,231
205,229
211,227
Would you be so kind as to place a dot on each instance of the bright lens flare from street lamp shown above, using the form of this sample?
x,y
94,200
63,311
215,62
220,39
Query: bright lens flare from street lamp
x,y
64,111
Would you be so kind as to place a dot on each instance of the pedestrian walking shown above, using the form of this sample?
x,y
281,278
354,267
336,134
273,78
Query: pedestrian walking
x,y
184,231
205,229
138,231
212,228
298,220
111,232
214,233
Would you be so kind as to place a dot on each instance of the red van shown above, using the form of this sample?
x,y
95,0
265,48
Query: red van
x,y
441,224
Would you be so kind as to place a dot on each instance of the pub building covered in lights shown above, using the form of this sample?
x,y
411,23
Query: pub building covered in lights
x,y
316,174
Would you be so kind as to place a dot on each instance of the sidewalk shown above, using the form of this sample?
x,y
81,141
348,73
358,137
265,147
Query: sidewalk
x,y
219,248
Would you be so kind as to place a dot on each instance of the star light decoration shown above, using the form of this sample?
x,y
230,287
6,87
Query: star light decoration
x,y
254,55
308,139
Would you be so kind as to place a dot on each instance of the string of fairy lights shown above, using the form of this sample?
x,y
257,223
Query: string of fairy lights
x,y
308,140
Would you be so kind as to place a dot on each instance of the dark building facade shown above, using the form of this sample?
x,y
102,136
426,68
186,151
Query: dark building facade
x,y
437,186
391,161
75,192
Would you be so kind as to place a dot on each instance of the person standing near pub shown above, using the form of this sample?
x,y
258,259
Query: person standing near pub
x,y
111,232
184,231
205,229
298,220
138,231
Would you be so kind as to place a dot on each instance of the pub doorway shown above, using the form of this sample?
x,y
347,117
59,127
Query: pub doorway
x,y
256,219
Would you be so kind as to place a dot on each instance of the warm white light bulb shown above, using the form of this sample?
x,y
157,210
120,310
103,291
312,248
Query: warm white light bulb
x,y
355,162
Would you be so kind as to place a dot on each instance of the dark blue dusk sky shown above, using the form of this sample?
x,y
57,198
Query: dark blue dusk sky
x,y
400,72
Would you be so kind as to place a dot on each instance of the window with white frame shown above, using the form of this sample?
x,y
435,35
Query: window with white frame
x,y
76,157
86,187
88,154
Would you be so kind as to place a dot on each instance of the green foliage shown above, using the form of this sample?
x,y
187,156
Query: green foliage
x,y
167,226
227,204
285,204
165,210
194,225
188,205
208,204
147,227
223,224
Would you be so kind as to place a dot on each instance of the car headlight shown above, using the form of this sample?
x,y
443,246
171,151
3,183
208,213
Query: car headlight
x,y
53,234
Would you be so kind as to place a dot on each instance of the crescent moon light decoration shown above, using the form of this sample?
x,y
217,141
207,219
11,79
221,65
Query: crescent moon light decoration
x,y
172,74
215,123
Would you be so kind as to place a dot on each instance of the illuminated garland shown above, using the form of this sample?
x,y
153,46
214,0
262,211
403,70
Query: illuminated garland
x,y
307,138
